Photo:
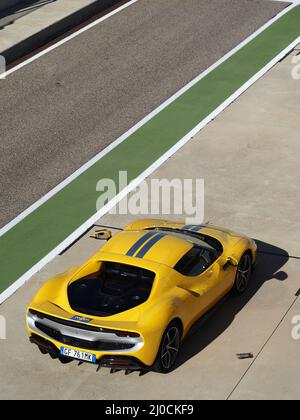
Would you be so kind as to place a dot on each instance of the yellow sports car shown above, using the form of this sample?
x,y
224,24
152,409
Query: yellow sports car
x,y
131,304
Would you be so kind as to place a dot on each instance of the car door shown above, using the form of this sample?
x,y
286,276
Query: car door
x,y
205,283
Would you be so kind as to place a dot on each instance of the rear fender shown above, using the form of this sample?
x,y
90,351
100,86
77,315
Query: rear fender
x,y
240,247
154,321
52,288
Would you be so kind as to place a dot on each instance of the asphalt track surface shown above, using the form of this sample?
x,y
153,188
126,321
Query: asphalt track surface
x,y
63,109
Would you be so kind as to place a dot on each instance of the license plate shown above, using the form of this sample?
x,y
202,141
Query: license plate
x,y
80,355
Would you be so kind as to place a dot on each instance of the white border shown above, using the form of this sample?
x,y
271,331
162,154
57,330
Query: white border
x,y
23,279
121,139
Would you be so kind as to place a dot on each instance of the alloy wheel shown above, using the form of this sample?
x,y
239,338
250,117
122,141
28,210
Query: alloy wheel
x,y
243,273
170,347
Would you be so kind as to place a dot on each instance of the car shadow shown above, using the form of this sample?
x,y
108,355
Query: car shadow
x,y
270,260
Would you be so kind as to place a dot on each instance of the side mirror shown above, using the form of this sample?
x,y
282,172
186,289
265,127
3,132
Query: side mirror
x,y
231,261
103,235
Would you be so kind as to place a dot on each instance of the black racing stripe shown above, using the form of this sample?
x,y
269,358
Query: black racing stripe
x,y
140,242
188,227
149,245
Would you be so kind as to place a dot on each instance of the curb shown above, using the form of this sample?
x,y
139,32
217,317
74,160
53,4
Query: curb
x,y
57,29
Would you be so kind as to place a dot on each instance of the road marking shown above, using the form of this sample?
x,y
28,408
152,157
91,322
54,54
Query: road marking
x,y
131,131
20,246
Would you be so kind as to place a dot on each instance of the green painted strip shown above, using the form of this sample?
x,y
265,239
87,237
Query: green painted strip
x,y
44,229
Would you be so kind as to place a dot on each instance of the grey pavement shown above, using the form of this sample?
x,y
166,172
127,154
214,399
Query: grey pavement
x,y
64,108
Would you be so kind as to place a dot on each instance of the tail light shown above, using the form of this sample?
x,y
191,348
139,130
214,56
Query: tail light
x,y
126,334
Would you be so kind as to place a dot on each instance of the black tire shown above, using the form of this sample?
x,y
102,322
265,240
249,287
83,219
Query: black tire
x,y
169,349
243,274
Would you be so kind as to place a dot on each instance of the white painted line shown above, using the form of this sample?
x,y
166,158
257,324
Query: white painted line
x,y
121,139
67,39
287,1
67,242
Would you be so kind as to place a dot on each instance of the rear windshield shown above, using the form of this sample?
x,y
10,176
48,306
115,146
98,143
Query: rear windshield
x,y
113,289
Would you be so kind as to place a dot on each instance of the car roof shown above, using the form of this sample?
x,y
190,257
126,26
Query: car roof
x,y
151,245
